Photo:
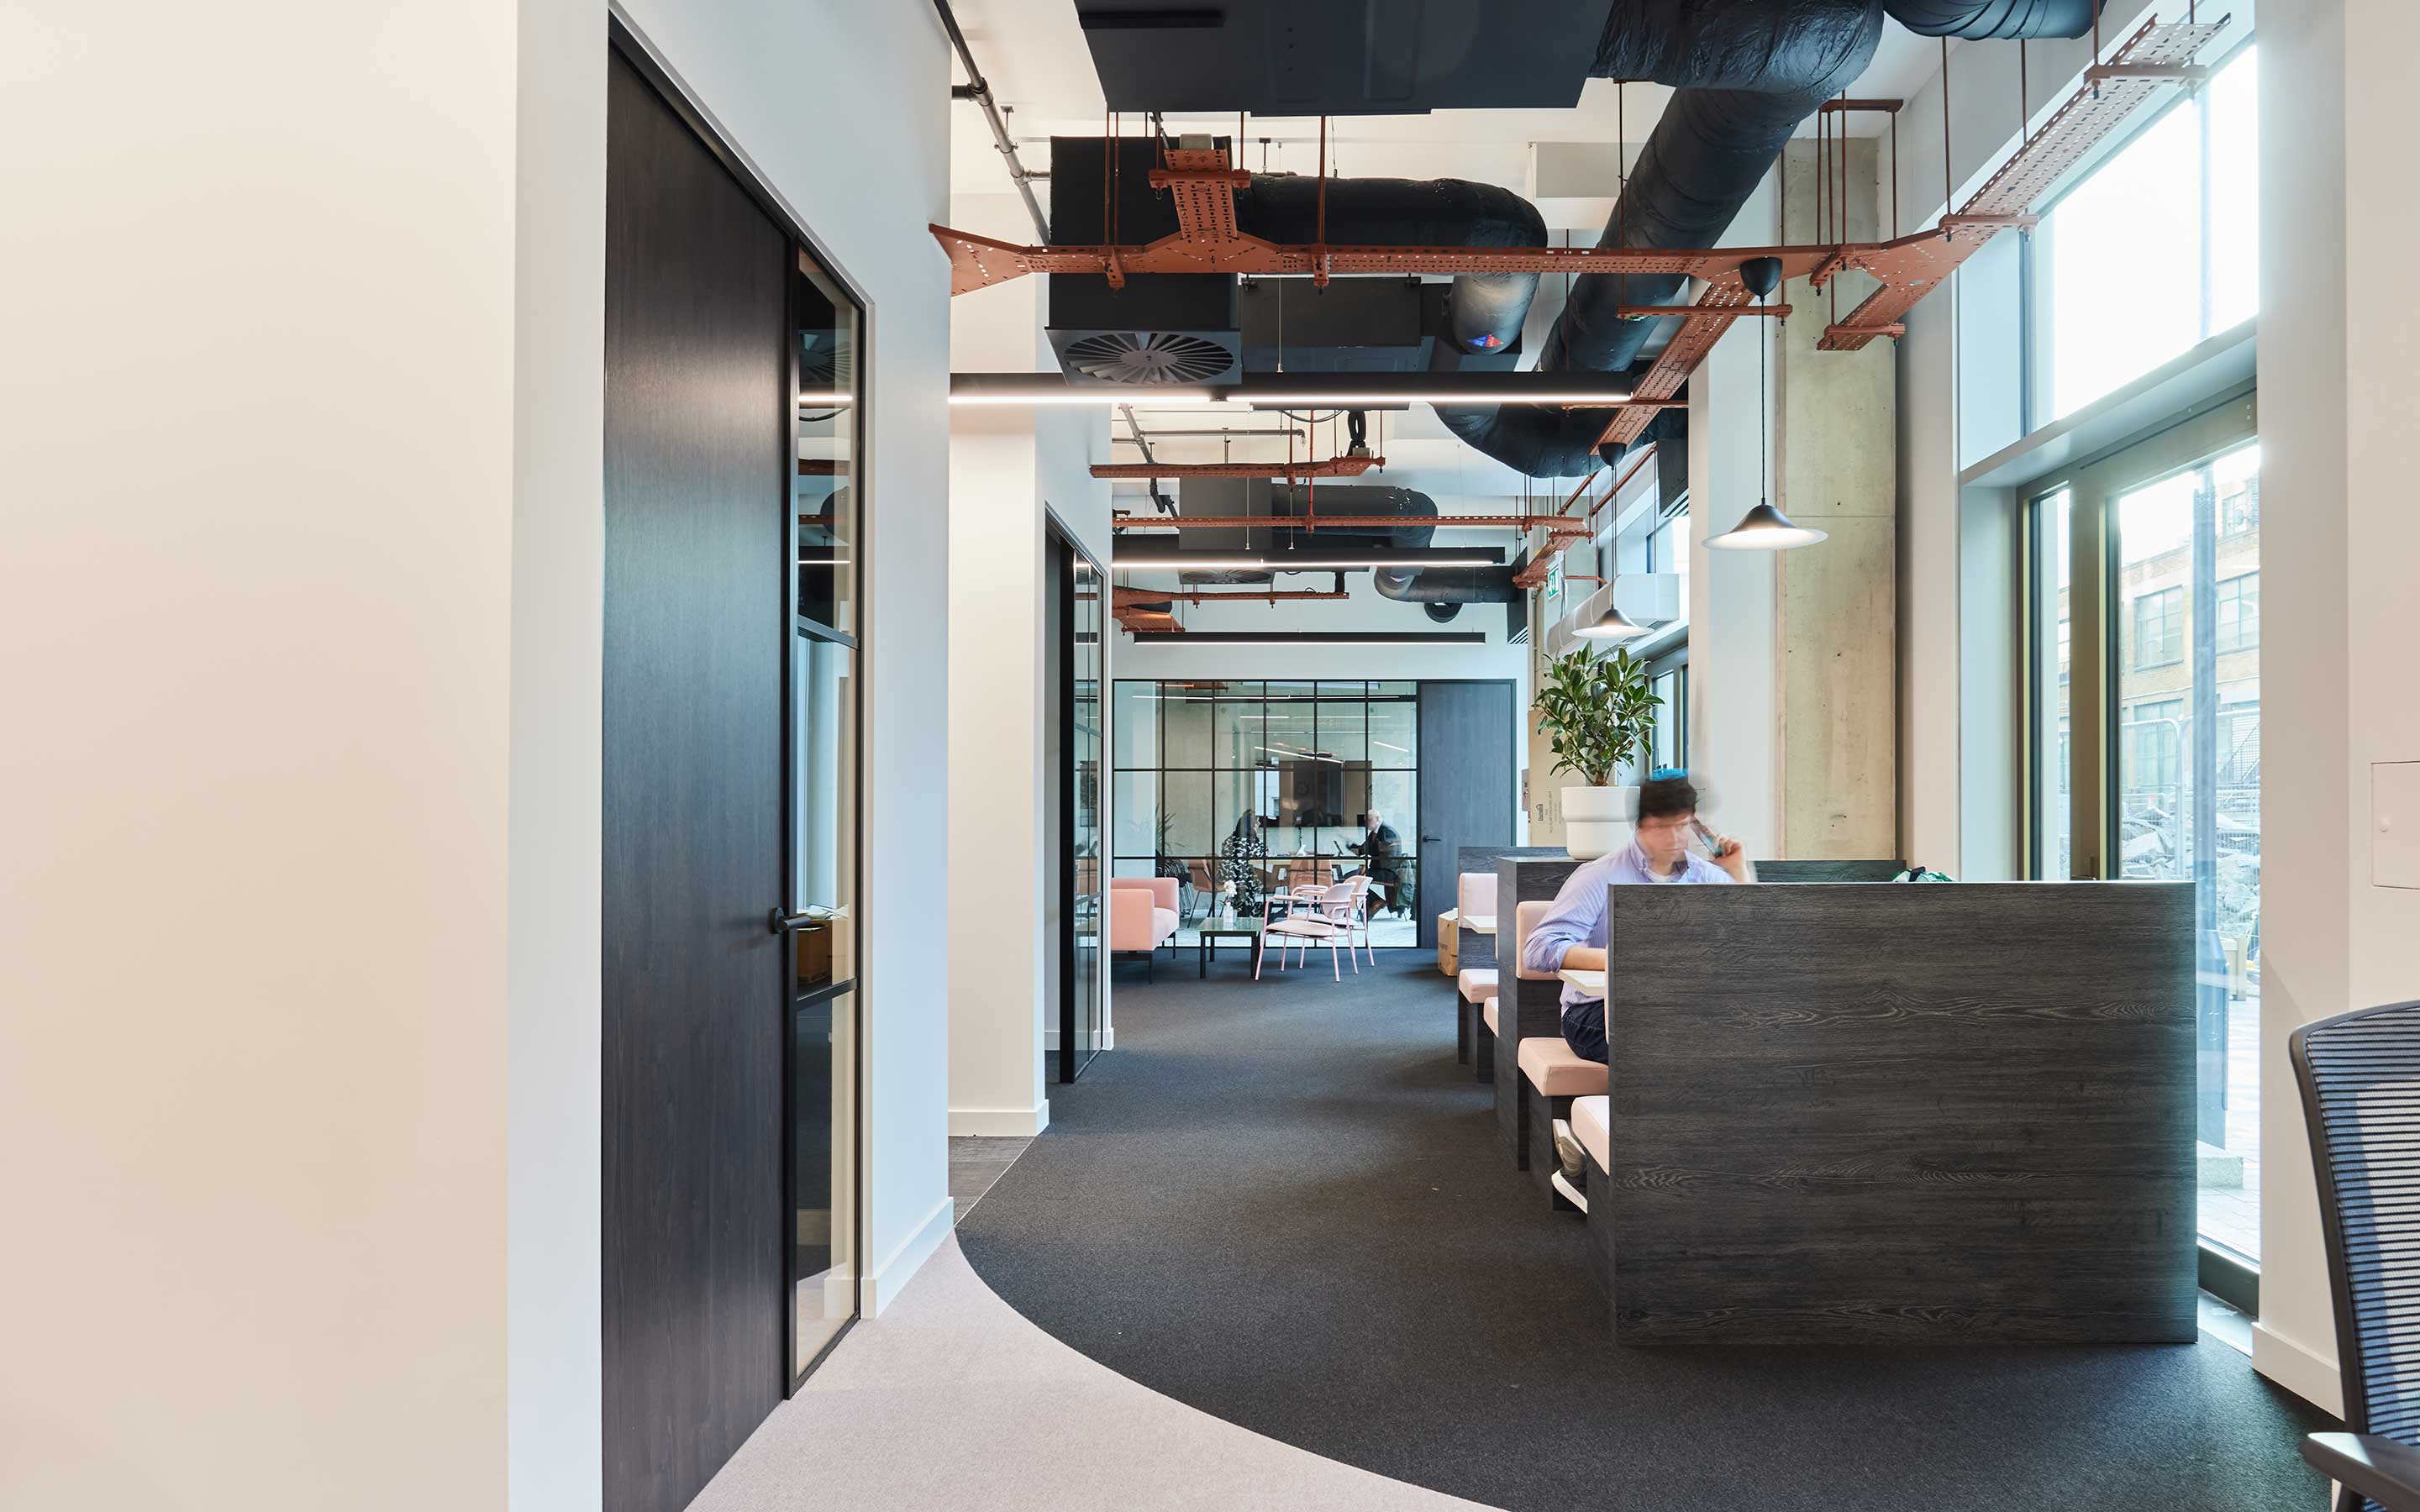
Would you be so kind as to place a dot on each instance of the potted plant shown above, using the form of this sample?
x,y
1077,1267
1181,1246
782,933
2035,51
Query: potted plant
x,y
1598,715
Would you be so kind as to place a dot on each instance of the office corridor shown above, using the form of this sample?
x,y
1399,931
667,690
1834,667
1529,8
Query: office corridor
x,y
1284,1204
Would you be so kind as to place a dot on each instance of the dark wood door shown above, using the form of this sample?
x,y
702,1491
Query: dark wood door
x,y
696,377
1465,785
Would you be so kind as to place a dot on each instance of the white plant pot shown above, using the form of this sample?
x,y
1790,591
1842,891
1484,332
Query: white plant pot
x,y
1598,821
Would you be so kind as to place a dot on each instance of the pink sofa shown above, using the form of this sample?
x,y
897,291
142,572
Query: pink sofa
x,y
1142,916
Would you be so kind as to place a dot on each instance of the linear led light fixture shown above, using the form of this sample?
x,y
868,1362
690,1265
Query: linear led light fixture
x,y
1303,390
1311,638
1307,559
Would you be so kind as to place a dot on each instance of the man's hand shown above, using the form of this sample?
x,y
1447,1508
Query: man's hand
x,y
1583,958
1732,857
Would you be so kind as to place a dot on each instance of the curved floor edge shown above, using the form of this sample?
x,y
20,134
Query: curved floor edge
x,y
954,1398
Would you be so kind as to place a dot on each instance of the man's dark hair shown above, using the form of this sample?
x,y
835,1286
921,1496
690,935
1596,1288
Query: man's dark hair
x,y
1667,797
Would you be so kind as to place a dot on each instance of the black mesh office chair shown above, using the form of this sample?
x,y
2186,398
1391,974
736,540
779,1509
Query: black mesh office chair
x,y
2360,1075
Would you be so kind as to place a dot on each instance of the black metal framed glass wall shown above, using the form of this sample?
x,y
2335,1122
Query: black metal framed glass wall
x,y
1235,787
2142,749
826,1022
1073,750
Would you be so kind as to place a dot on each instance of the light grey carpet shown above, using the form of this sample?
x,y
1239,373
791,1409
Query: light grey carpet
x,y
950,1400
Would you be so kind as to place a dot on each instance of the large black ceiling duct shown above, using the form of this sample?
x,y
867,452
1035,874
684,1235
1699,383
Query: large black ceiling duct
x,y
1981,20
1745,73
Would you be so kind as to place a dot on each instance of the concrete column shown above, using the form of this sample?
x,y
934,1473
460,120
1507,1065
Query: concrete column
x,y
1835,763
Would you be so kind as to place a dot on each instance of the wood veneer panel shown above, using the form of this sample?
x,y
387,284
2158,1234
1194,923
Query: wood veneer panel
x,y
1917,1113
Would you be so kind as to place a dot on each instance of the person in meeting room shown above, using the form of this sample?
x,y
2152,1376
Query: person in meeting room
x,y
1572,936
1241,856
1378,848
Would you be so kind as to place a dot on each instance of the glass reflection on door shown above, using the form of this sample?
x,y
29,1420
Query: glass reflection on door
x,y
824,1003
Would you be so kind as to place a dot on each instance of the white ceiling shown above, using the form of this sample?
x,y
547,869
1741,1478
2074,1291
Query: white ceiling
x,y
1034,55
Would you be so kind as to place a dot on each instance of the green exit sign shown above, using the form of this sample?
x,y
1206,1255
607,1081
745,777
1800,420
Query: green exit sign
x,y
1553,576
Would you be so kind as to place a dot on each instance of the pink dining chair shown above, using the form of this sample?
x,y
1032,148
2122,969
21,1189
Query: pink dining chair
x,y
1310,916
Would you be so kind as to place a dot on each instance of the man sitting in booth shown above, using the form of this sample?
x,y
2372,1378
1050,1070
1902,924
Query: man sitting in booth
x,y
1572,936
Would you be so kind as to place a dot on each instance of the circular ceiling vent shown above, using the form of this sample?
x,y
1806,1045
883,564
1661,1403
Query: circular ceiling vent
x,y
1147,357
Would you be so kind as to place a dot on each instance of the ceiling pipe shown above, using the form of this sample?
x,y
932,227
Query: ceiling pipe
x,y
978,89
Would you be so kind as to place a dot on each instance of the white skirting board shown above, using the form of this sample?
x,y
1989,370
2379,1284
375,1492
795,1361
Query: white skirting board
x,y
893,1273
2308,1375
1001,1123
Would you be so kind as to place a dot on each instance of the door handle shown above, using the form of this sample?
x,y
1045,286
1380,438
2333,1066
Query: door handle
x,y
781,923
1432,837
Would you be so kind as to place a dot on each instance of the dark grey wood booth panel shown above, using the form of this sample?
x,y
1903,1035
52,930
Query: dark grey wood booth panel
x,y
1523,1009
1784,870
1902,1115
1478,950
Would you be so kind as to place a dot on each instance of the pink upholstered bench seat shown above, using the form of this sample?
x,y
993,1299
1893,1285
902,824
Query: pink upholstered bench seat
x,y
1592,1126
1478,984
1556,1071
1487,1012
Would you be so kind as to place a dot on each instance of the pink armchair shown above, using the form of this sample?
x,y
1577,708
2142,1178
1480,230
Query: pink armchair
x,y
1142,916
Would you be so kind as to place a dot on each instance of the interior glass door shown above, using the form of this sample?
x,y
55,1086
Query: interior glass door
x,y
825,1004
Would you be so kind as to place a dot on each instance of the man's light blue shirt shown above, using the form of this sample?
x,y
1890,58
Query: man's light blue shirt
x,y
1577,916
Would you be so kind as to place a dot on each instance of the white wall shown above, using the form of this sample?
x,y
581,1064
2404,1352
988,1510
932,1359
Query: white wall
x,y
255,588
1007,465
302,579
2338,550
555,1365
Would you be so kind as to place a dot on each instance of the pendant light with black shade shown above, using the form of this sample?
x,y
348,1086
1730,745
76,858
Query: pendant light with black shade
x,y
1763,528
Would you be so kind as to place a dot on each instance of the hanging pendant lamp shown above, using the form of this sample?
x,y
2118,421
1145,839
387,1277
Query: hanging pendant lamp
x,y
1609,625
1763,528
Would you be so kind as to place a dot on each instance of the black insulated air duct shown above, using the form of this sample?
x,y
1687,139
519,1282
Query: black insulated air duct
x,y
2001,20
1745,73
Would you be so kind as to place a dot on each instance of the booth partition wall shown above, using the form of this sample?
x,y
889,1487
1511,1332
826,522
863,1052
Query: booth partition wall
x,y
731,999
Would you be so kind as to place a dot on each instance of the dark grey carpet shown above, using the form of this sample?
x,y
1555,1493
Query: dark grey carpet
x,y
1284,1204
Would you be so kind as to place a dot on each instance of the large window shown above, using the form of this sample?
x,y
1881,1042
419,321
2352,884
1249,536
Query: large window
x,y
1269,785
2157,250
2159,628
2189,779
2144,629
2239,612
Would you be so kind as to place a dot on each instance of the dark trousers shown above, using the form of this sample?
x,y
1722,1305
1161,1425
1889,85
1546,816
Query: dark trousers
x,y
1583,1030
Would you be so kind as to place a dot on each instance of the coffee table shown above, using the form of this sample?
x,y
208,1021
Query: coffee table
x,y
1212,932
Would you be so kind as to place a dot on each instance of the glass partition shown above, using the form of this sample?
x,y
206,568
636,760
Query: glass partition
x,y
823,817
1259,786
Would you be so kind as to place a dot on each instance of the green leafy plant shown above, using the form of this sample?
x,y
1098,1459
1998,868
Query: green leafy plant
x,y
1597,712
